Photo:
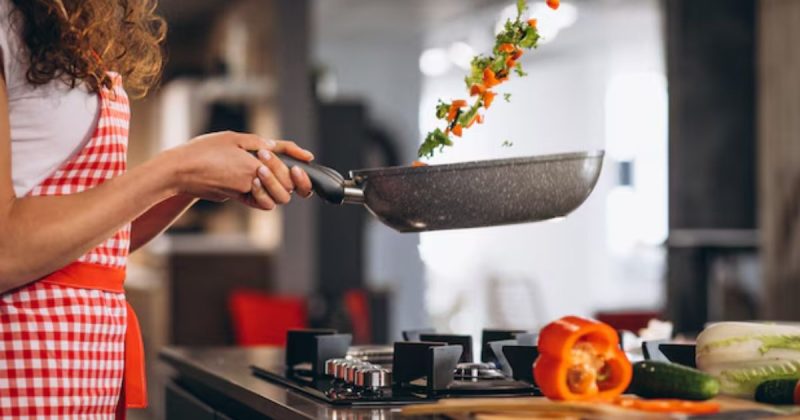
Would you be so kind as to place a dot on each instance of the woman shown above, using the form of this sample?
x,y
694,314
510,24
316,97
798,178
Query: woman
x,y
70,213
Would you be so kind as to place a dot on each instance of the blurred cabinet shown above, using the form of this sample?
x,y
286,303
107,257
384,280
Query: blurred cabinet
x,y
711,62
779,155
202,271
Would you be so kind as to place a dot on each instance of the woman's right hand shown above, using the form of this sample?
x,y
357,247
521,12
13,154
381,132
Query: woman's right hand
x,y
219,166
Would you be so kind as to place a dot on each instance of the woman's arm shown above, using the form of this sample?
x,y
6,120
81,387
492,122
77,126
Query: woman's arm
x,y
158,219
39,235
274,185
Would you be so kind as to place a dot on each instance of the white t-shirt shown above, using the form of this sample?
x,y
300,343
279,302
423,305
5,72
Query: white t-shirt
x,y
49,123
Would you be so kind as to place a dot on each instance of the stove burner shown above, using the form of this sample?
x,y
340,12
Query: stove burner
x,y
321,363
477,372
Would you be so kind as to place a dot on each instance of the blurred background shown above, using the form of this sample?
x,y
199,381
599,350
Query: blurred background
x,y
694,219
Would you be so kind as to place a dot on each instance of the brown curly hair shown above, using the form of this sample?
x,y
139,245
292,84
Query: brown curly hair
x,y
80,41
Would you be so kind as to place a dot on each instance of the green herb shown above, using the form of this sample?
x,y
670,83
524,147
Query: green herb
x,y
507,143
485,73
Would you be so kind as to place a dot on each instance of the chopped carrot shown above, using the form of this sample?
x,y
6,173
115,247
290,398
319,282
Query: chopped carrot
x,y
458,103
553,4
506,48
516,54
417,164
488,98
458,130
490,79
532,22
510,62
476,90
479,119
451,115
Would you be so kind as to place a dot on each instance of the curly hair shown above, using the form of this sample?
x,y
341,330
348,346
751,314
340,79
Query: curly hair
x,y
81,41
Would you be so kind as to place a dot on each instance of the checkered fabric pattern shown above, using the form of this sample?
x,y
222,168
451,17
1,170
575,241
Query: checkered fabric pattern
x,y
62,349
103,158
62,352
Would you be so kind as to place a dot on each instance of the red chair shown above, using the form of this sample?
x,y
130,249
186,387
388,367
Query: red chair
x,y
259,318
356,303
628,320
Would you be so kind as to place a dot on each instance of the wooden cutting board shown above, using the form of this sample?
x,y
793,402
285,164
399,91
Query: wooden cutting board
x,y
538,407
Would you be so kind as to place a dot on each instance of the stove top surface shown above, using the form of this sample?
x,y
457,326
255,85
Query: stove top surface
x,y
322,364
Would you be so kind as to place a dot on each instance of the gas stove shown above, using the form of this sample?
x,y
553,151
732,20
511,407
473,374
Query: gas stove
x,y
426,366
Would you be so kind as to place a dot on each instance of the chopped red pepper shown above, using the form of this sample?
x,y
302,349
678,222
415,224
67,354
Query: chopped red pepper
x,y
580,359
516,54
510,62
458,103
796,394
670,406
554,4
458,130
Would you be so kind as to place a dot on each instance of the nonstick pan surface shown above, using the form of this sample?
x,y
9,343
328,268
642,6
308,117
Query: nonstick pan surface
x,y
465,195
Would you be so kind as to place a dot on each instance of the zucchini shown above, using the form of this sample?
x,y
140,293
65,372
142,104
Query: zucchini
x,y
778,391
653,379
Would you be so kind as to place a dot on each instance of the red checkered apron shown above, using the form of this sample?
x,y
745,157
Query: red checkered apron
x,y
68,340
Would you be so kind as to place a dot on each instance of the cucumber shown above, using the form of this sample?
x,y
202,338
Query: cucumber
x,y
653,379
776,391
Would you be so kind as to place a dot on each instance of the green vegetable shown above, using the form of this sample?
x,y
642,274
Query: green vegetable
x,y
743,355
517,33
507,97
668,380
779,391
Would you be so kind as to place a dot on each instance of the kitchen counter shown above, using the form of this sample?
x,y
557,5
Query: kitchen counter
x,y
216,383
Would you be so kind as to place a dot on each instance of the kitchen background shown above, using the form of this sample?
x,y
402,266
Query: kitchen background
x,y
697,104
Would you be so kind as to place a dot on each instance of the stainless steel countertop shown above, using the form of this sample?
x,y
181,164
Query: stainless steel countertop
x,y
227,371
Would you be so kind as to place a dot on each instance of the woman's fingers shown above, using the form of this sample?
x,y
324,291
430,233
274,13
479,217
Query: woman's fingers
x,y
278,168
301,182
273,187
291,148
260,196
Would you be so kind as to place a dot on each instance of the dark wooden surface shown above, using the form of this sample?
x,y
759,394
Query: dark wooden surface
x,y
220,378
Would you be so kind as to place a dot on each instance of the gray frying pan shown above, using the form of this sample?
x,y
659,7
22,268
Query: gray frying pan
x,y
464,195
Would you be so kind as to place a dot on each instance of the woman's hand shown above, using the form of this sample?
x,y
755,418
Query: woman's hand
x,y
276,182
220,166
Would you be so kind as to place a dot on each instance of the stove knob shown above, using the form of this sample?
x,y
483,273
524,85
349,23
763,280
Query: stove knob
x,y
340,369
350,371
372,378
330,366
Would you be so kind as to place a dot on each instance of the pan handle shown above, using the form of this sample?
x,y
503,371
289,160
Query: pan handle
x,y
326,182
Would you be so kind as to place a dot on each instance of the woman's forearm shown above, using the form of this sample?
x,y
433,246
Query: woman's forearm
x,y
39,235
158,218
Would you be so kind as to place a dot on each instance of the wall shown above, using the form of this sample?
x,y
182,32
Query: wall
x,y
523,276
381,70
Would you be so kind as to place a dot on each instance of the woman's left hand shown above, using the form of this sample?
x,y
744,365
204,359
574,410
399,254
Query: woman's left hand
x,y
276,182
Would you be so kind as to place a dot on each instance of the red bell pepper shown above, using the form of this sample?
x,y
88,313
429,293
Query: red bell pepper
x,y
580,359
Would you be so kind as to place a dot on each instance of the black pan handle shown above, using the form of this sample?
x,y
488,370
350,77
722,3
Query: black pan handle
x,y
326,182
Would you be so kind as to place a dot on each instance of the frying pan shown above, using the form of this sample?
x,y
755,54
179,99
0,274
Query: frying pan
x,y
464,195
